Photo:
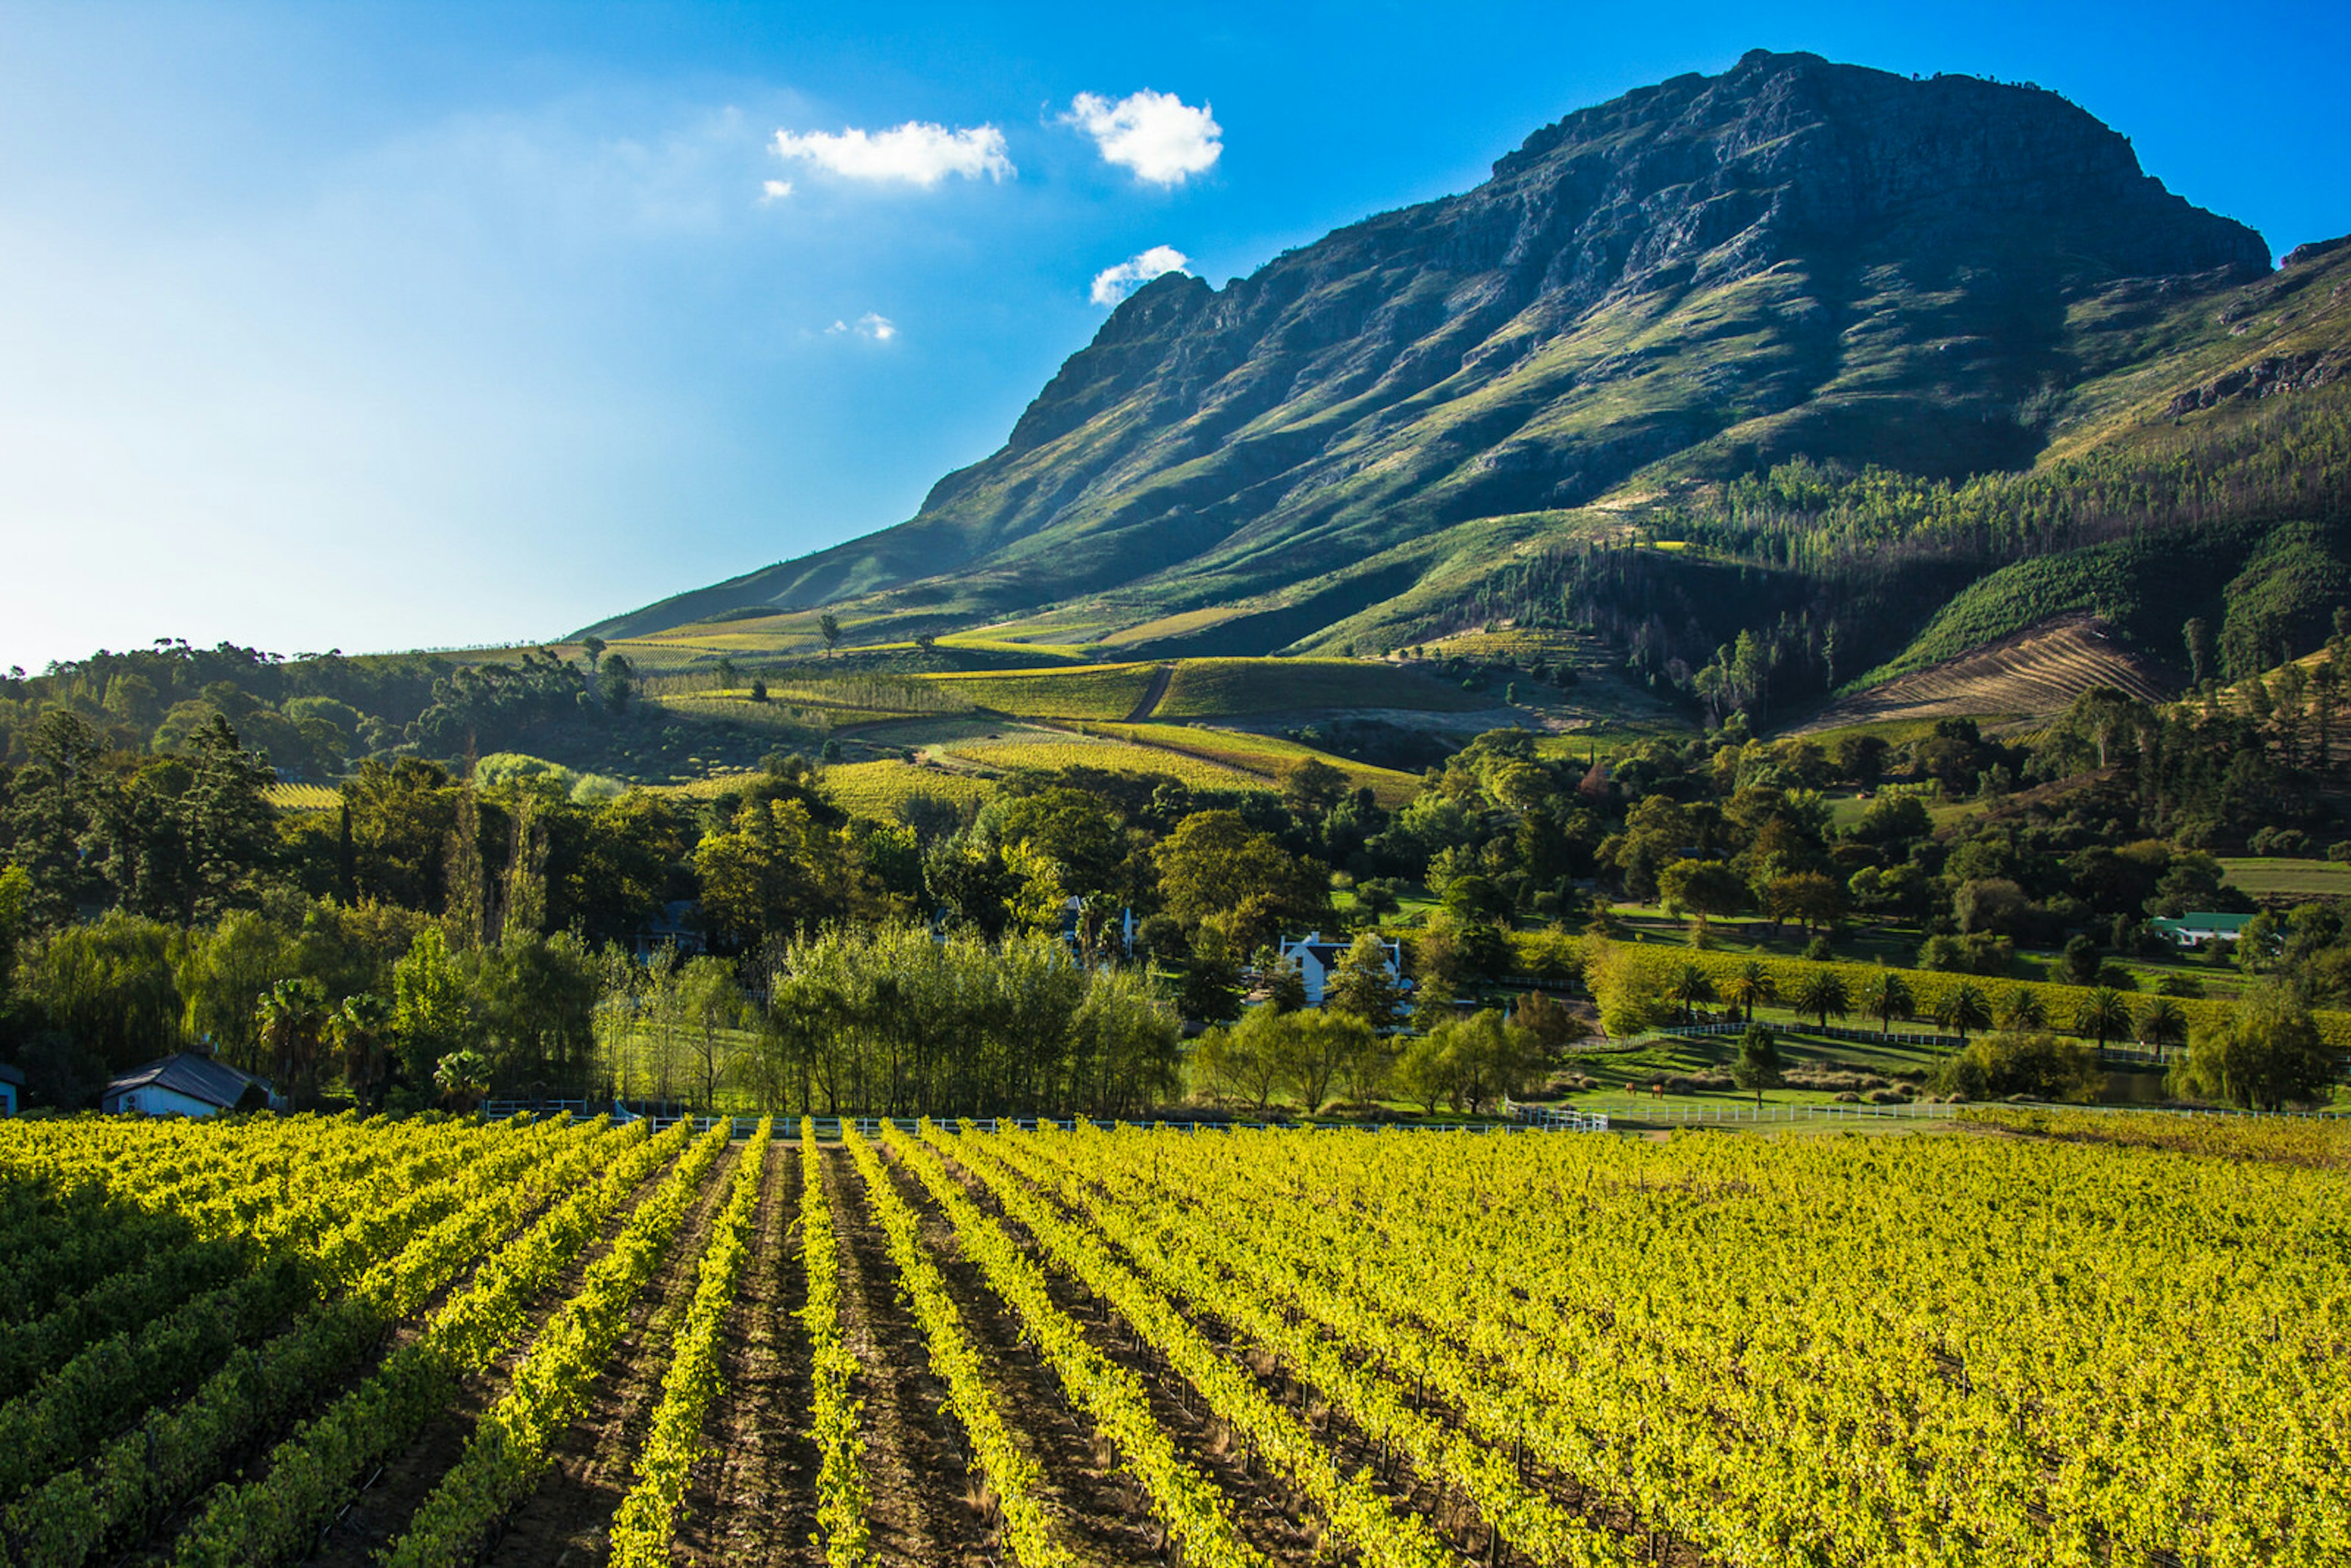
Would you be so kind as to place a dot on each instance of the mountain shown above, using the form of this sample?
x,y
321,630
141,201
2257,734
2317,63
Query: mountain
x,y
1649,300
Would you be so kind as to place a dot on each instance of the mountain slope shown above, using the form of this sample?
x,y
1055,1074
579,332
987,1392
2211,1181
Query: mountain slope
x,y
1694,280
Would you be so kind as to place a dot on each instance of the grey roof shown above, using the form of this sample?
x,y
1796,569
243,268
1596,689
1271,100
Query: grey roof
x,y
185,1072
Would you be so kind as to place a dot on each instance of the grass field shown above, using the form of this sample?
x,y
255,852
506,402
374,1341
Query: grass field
x,y
1084,691
1216,688
2274,876
304,797
1269,755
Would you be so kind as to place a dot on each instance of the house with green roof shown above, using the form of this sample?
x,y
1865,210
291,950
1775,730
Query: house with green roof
x,y
2199,926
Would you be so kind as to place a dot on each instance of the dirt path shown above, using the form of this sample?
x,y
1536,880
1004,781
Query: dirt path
x,y
1263,1509
754,1506
388,1500
925,1507
1108,1519
565,1520
1153,694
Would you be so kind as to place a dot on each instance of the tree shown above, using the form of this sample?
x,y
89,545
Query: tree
x,y
357,1031
1883,994
2104,1014
428,1016
1757,1066
293,1015
2021,1010
1314,1049
2036,1063
463,1077
1215,865
2268,1053
1361,987
1703,888
1821,992
1751,985
1686,985
2160,1022
1629,997
1548,1024
1810,896
2197,635
828,626
1312,787
1963,1007
1244,1061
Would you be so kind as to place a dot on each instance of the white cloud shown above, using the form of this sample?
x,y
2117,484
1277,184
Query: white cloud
x,y
872,324
774,190
1113,284
1156,134
916,154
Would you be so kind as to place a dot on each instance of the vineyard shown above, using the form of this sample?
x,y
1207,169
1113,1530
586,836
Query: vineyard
x,y
2059,1338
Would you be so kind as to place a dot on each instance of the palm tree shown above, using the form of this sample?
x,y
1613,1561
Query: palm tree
x,y
1753,984
1821,992
2161,1022
2103,1013
1963,1007
1689,985
1885,993
356,1030
2023,1011
293,1015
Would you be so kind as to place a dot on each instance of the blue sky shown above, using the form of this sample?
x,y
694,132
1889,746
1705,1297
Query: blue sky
x,y
390,326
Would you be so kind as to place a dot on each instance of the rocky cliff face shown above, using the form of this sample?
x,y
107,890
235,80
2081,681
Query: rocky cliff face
x,y
1710,273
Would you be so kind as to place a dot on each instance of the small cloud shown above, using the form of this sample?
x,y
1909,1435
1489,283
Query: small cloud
x,y
836,327
881,328
915,154
1113,284
1158,135
774,190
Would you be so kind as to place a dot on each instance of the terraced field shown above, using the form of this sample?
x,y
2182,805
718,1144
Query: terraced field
x,y
1224,688
1082,692
876,790
2034,673
1051,750
303,796
1268,756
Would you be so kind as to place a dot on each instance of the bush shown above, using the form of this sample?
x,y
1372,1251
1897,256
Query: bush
x,y
2037,1065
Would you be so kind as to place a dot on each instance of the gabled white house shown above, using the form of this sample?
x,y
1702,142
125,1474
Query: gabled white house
x,y
1318,960
185,1084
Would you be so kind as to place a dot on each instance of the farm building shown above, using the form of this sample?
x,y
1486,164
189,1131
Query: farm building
x,y
1318,960
186,1084
2198,927
12,1089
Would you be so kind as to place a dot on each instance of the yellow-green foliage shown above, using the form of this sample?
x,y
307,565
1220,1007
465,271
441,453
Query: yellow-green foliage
x,y
1023,751
303,796
1928,987
1211,688
875,789
1086,691
1269,755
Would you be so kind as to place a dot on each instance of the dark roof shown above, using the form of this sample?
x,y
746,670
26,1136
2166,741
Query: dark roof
x,y
14,1075
197,1077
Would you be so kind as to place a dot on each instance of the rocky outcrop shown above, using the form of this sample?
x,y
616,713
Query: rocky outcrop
x,y
1794,256
2264,377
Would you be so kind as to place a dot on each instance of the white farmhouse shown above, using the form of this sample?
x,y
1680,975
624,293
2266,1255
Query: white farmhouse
x,y
185,1084
1318,960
